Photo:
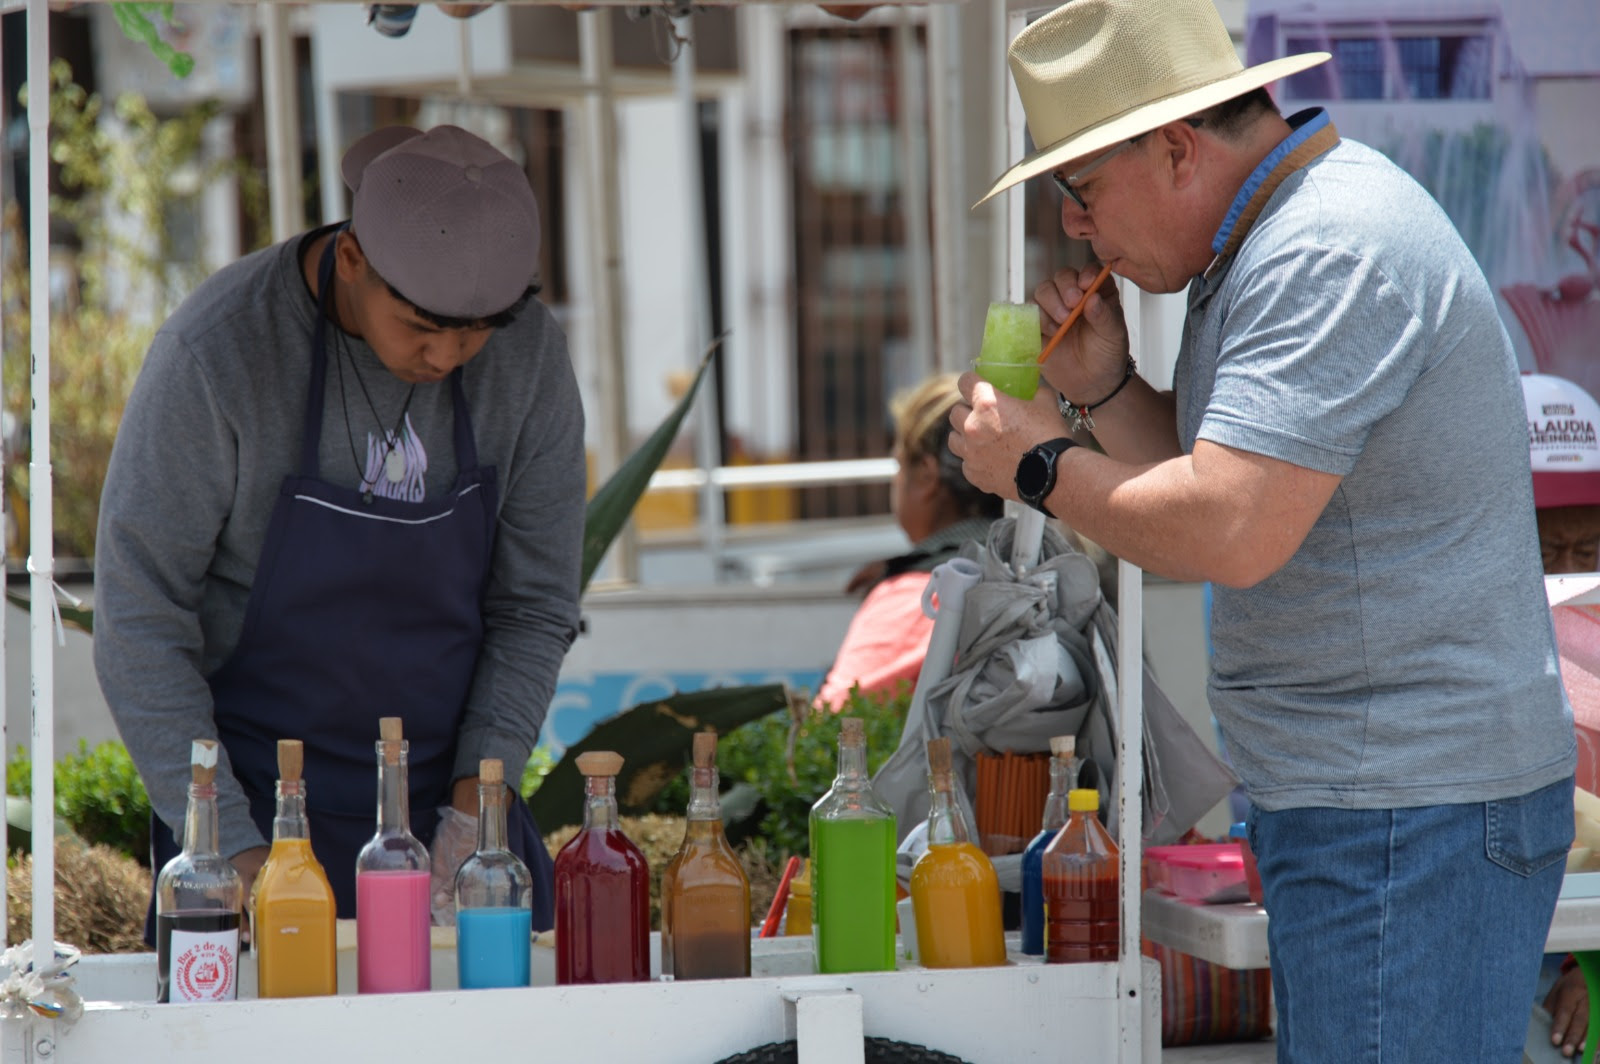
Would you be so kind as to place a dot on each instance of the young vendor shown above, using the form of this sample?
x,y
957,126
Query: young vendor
x,y
349,484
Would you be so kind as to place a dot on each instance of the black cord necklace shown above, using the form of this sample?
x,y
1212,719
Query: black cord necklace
x,y
393,464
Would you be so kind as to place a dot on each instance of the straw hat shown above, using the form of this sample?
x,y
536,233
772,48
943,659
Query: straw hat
x,y
1094,73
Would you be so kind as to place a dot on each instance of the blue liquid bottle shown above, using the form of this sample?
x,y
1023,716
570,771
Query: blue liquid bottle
x,y
494,897
1063,777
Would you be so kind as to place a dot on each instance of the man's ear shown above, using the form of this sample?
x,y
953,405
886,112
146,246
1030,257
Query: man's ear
x,y
1180,147
349,259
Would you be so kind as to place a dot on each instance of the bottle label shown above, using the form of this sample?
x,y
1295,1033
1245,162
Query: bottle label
x,y
205,965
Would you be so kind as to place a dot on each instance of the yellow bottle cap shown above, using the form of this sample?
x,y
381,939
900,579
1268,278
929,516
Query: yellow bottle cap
x,y
1083,800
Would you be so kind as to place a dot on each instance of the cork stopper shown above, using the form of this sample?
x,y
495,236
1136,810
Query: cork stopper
x,y
491,770
203,762
1063,746
390,731
939,764
291,760
600,763
705,749
852,730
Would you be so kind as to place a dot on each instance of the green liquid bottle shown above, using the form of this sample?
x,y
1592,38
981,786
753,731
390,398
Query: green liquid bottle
x,y
852,866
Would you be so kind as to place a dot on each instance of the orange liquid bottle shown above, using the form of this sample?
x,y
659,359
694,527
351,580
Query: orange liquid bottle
x,y
705,894
954,892
1082,902
293,902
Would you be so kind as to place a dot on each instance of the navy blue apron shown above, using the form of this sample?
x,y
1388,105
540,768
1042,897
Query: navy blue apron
x,y
362,607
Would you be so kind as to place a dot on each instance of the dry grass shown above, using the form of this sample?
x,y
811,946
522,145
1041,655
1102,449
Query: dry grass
x,y
101,898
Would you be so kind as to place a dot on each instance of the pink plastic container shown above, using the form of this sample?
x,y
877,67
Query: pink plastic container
x,y
1209,872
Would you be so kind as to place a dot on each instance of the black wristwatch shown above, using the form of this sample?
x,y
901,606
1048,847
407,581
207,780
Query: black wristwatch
x,y
1036,472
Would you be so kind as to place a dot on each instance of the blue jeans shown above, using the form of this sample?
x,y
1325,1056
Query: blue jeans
x,y
1402,936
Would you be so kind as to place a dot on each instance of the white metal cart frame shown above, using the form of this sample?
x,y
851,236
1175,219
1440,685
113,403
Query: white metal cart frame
x,y
1023,1011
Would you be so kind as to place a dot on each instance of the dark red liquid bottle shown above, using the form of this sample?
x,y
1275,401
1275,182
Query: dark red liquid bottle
x,y
602,885
1082,880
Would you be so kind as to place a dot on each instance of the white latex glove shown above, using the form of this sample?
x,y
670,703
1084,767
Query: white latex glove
x,y
454,841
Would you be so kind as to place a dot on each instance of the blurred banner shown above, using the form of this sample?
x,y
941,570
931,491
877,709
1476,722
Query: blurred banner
x,y
1491,106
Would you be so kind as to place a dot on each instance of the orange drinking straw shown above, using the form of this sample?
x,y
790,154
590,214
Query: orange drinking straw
x,y
1077,312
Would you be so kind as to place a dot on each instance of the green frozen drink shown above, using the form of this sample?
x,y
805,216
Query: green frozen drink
x,y
1009,357
1019,381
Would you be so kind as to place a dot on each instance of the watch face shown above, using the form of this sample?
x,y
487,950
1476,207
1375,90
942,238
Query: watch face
x,y
1033,473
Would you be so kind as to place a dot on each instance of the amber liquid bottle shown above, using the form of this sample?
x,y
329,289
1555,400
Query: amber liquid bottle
x,y
705,895
1081,880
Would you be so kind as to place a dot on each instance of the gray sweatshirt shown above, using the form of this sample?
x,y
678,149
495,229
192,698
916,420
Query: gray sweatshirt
x,y
212,427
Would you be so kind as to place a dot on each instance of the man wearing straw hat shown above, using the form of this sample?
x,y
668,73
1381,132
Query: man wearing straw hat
x,y
1344,457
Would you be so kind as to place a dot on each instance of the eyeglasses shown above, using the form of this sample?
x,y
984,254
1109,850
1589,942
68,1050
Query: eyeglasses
x,y
1068,185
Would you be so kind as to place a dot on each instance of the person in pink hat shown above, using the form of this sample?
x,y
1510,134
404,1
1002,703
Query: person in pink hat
x,y
349,484
1564,449
1343,458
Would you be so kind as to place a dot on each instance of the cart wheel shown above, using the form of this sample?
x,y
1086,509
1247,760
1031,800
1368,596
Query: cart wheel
x,y
878,1051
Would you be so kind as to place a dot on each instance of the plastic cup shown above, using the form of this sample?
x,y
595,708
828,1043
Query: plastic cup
x,y
1018,381
1011,334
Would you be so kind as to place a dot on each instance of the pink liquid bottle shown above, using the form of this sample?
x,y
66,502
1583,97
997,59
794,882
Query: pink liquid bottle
x,y
393,943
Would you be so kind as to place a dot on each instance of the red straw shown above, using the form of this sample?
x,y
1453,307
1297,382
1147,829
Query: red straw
x,y
1077,312
769,926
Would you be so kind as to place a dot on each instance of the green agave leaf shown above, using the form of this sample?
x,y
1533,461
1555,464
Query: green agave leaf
x,y
19,824
654,739
79,617
614,502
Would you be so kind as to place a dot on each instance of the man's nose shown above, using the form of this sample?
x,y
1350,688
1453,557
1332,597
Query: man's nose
x,y
445,353
1075,220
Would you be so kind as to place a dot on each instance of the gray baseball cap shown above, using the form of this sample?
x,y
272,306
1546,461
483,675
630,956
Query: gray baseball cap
x,y
445,217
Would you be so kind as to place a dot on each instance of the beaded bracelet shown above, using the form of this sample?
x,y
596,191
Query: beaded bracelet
x,y
1077,414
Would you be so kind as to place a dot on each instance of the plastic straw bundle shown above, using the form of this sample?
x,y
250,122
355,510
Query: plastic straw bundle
x,y
1010,803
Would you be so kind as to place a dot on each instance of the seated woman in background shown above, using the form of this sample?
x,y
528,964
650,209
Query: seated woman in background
x,y
939,511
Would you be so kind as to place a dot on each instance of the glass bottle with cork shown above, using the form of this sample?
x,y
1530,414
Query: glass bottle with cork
x,y
494,897
705,894
393,941
199,900
852,866
1081,886
602,889
955,894
1063,777
292,903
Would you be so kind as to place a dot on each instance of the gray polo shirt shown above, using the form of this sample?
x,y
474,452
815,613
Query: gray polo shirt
x,y
1404,656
